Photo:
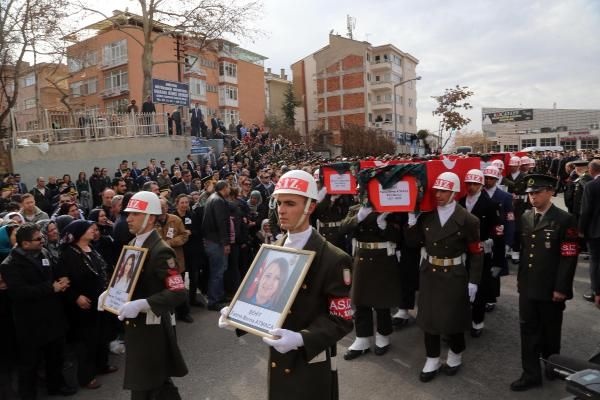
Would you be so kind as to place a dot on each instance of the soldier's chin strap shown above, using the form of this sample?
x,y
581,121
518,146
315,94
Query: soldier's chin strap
x,y
143,227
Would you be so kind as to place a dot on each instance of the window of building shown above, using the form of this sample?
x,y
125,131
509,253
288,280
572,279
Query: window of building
x,y
396,78
528,143
511,147
227,69
400,118
368,56
368,77
116,80
569,144
369,96
29,103
115,53
208,63
387,98
410,102
229,92
84,88
212,88
410,121
192,64
589,144
595,126
197,87
230,116
377,78
117,106
396,59
388,118
29,80
370,117
548,142
495,148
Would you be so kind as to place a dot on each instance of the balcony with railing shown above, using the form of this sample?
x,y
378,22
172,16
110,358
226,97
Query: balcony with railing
x,y
228,79
114,91
225,101
379,105
108,63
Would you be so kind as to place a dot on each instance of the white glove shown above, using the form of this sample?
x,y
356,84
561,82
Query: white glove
x,y
363,212
381,222
223,324
488,245
321,194
412,218
288,340
131,309
496,271
472,292
101,300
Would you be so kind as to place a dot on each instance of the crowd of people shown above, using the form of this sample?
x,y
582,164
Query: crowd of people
x,y
61,239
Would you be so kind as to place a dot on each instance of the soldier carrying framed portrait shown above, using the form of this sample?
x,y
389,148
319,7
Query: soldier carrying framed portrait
x,y
124,278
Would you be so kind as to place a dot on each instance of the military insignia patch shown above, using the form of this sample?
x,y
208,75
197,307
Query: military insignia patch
x,y
530,182
568,249
340,307
347,276
174,282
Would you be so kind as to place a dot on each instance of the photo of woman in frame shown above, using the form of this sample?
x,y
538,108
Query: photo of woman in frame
x,y
124,279
125,273
269,283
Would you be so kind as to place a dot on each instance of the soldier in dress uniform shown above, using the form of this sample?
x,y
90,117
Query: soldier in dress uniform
x,y
329,213
152,356
491,233
302,358
581,166
446,287
376,276
491,176
550,245
520,201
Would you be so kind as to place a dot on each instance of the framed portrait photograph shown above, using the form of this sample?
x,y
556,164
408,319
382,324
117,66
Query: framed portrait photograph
x,y
124,278
268,290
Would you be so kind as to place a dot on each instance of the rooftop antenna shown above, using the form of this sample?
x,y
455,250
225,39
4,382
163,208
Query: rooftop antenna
x,y
351,25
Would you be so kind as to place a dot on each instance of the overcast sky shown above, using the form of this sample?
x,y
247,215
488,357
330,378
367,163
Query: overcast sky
x,y
511,53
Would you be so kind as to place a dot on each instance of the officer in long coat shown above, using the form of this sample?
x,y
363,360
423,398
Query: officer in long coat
x,y
446,288
549,237
517,186
376,276
302,357
491,234
152,356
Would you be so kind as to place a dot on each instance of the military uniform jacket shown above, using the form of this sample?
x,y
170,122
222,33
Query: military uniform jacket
x,y
578,193
375,272
152,352
443,292
328,211
549,254
321,313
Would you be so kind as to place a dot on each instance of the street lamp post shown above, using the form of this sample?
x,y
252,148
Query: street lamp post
x,y
418,78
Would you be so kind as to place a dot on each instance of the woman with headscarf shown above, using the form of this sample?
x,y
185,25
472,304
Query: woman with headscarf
x,y
104,242
86,271
50,237
14,217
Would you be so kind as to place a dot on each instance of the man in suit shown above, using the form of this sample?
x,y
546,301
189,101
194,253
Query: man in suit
x,y
302,355
185,186
41,194
191,164
152,356
21,187
38,312
545,280
214,125
491,234
589,227
448,285
196,119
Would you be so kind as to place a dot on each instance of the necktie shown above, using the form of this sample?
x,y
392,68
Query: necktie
x,y
536,219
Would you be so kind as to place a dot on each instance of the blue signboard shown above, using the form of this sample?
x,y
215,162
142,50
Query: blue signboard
x,y
169,92
199,146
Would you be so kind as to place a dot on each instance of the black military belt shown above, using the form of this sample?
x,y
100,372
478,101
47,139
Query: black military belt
x,y
330,224
444,262
372,246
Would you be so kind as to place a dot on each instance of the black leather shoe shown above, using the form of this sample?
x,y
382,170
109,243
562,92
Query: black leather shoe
x,y
400,322
489,307
589,297
428,376
379,351
352,354
450,371
185,318
475,333
522,384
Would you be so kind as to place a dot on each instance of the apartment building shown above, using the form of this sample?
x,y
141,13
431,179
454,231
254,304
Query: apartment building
x,y
106,71
275,87
41,88
352,82
512,129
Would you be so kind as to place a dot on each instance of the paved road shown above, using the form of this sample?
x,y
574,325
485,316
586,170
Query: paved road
x,y
223,367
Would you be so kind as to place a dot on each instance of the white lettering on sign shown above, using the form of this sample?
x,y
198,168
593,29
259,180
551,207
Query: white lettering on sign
x,y
339,182
397,195
136,204
292,183
254,316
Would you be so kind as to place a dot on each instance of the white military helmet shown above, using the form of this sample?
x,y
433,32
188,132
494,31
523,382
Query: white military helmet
x,y
145,203
498,163
492,171
474,176
447,181
530,161
515,161
524,160
297,182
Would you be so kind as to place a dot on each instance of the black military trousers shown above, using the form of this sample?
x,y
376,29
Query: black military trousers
x,y
456,342
541,324
363,320
168,391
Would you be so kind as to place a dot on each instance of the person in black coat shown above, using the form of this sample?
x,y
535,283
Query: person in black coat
x,y
38,312
196,118
589,225
183,187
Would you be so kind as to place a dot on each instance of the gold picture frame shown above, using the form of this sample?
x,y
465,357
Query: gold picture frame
x,y
264,298
124,278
